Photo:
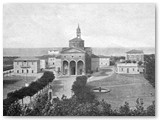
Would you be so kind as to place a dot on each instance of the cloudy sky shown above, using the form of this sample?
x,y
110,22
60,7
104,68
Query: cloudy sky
x,y
102,25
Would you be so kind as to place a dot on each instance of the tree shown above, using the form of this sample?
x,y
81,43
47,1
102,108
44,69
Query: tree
x,y
81,90
150,69
134,61
140,63
151,109
128,61
125,110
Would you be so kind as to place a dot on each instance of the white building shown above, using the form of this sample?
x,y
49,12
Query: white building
x,y
27,65
135,55
53,52
104,61
42,64
99,61
127,68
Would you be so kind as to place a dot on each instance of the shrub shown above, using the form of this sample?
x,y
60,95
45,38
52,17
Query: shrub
x,y
128,61
134,61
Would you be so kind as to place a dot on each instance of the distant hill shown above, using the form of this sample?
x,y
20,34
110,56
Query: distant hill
x,y
98,51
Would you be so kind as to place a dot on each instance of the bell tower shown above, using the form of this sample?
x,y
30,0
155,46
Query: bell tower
x,y
77,42
78,32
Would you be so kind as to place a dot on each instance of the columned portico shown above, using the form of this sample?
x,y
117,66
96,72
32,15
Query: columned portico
x,y
73,67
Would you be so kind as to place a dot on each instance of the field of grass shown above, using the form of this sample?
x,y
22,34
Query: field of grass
x,y
125,88
11,83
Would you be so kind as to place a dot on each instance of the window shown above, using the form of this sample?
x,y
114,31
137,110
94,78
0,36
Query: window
x,y
17,63
121,69
27,71
53,63
17,71
133,69
72,56
32,63
32,71
64,56
79,56
22,71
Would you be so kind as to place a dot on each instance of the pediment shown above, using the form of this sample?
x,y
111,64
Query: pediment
x,y
73,50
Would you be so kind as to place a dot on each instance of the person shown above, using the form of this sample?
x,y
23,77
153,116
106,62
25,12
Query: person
x,y
99,89
50,92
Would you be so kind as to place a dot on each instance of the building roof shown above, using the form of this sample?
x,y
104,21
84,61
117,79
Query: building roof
x,y
76,39
99,56
102,56
27,59
72,48
49,56
94,56
127,65
135,51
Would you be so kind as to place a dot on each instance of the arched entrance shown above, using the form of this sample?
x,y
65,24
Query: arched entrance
x,y
80,67
72,68
65,68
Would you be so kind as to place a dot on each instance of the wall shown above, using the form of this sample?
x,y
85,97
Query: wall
x,y
58,64
42,64
51,62
104,62
94,64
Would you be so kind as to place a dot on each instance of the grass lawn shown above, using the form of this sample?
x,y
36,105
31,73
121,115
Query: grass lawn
x,y
125,88
11,83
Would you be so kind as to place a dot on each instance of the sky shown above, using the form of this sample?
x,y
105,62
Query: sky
x,y
102,25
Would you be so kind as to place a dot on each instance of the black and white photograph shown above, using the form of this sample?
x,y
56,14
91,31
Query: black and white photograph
x,y
79,59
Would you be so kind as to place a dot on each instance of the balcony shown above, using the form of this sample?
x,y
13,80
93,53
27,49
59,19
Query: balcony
x,y
25,66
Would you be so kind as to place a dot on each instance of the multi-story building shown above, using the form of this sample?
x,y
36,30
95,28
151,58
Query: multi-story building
x,y
135,55
131,67
99,61
27,65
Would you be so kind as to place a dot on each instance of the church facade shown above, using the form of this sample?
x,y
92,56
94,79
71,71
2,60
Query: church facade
x,y
76,59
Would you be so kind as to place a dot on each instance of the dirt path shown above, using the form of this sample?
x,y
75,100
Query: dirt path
x,y
63,85
102,75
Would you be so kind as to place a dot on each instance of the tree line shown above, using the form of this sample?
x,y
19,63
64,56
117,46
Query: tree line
x,y
31,90
150,68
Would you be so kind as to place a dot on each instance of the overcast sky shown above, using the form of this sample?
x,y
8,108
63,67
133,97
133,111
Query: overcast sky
x,y
102,25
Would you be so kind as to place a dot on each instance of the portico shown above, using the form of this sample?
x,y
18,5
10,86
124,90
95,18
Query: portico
x,y
73,67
